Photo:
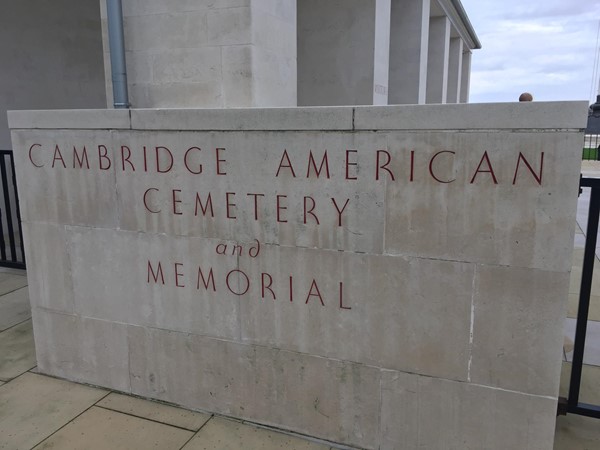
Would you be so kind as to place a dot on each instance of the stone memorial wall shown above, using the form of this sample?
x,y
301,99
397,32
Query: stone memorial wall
x,y
381,277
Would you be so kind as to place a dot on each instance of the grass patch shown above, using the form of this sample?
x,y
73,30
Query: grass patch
x,y
590,153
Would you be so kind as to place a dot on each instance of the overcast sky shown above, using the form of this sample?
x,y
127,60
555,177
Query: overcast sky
x,y
546,47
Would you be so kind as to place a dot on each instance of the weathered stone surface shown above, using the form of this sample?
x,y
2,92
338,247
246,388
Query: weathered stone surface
x,y
271,202
472,214
436,249
132,292
84,350
518,328
406,313
10,281
421,412
331,399
57,192
49,266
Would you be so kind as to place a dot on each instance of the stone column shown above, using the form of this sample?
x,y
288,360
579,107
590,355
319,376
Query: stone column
x,y
455,70
437,59
343,52
409,37
466,76
209,54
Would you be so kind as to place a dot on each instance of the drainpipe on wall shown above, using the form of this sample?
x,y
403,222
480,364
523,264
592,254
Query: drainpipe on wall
x,y
116,42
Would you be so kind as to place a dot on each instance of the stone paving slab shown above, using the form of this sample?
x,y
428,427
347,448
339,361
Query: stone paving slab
x,y
224,434
155,411
15,308
101,429
10,282
576,433
17,351
32,407
589,388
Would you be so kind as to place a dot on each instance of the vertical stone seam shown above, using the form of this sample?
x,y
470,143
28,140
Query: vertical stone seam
x,y
68,248
129,375
353,115
472,324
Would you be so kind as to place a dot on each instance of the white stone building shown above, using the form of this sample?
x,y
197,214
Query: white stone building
x,y
236,53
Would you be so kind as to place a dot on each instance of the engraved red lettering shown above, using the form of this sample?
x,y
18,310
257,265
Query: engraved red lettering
x,y
178,274
205,282
385,164
317,293
170,156
78,160
255,203
431,167
204,208
230,205
312,163
340,212
490,170
280,208
103,156
537,177
265,286
155,275
58,157
342,297
286,158
348,164
219,161
221,249
125,159
145,160
176,201
256,249
31,158
310,211
185,161
146,201
242,292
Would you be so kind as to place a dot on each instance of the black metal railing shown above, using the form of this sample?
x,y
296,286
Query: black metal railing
x,y
12,251
573,405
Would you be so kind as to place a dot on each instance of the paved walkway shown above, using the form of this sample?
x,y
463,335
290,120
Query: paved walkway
x,y
41,412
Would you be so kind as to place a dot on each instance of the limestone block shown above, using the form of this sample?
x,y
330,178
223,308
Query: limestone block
x,y
401,313
90,119
183,65
155,7
329,399
501,116
518,328
460,204
52,190
166,32
273,74
48,266
281,212
422,412
131,288
275,119
237,72
169,95
230,26
82,349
